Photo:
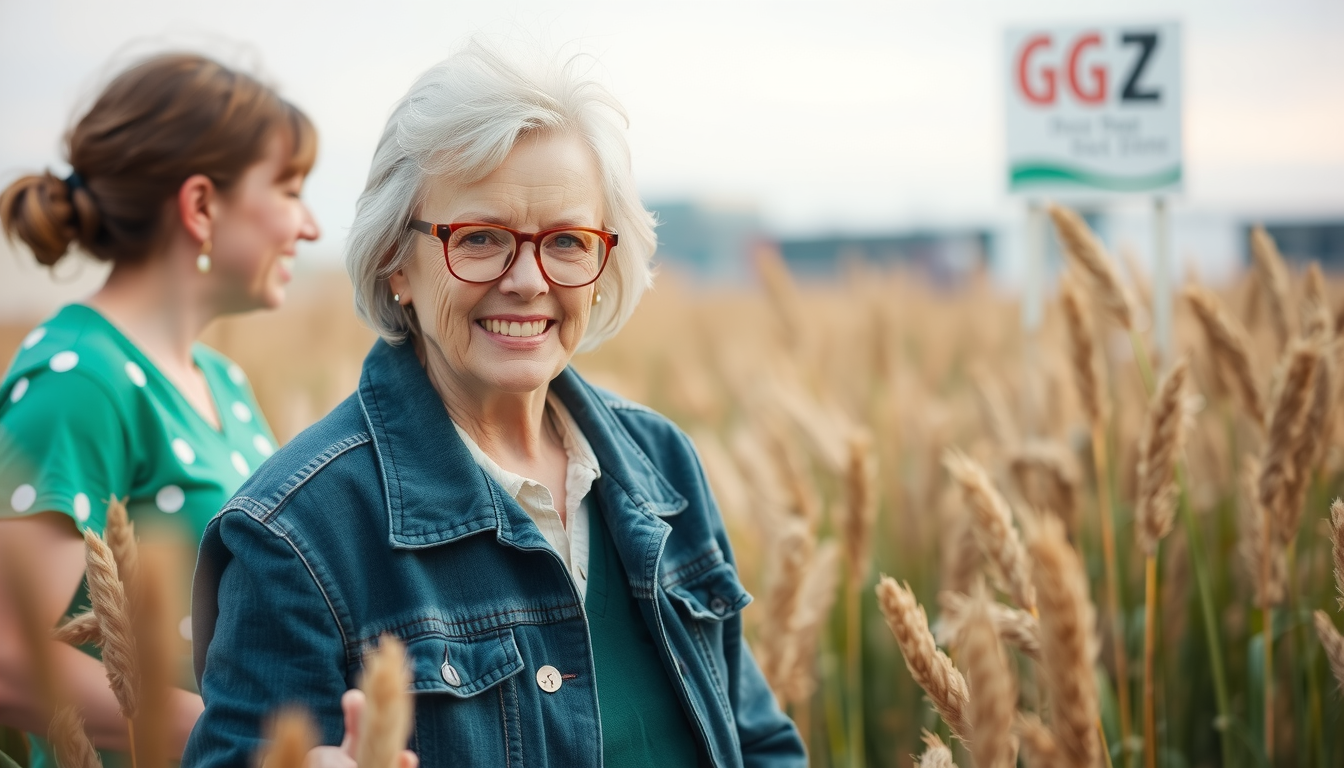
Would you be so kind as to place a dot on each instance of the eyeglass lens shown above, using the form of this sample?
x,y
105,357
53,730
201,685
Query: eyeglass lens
x,y
482,254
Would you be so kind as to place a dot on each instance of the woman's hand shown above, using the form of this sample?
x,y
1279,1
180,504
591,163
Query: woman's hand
x,y
352,706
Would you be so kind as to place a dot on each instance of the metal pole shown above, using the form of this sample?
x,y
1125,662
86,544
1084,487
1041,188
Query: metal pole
x,y
1033,314
1162,288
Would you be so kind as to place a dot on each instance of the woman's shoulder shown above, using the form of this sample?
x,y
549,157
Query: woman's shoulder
x,y
76,339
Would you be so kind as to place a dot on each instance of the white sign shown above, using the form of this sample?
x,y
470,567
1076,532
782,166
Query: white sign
x,y
1094,109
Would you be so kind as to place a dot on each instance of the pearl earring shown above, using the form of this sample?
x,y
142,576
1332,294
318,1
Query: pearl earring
x,y
597,298
396,297
203,260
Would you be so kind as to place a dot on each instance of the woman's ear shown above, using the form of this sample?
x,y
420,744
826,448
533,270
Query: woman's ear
x,y
196,200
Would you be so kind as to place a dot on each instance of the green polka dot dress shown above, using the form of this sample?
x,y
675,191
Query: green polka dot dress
x,y
85,416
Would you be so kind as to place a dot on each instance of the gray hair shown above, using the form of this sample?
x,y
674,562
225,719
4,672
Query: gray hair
x,y
459,121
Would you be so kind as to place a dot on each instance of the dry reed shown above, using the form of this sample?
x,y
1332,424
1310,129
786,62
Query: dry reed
x,y
931,668
993,527
1087,253
1068,640
290,736
1273,282
385,726
1333,643
1230,347
1017,628
993,688
1163,438
1337,547
936,754
69,742
1285,421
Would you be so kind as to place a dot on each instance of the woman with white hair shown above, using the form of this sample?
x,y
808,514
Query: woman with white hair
x,y
549,554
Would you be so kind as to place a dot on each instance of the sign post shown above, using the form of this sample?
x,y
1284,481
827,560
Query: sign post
x,y
1094,112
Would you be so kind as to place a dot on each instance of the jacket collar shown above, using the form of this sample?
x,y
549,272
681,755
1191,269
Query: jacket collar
x,y
434,489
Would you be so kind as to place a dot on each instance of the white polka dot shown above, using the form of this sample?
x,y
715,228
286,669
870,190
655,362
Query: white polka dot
x,y
170,498
183,451
81,507
236,374
242,413
239,463
135,373
263,445
33,337
20,389
184,628
64,361
23,498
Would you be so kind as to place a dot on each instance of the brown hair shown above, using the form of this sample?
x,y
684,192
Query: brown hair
x,y
158,123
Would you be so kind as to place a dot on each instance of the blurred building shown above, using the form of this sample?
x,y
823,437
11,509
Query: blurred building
x,y
708,241
1304,241
943,257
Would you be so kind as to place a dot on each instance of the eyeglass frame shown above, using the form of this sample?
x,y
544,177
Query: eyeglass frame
x,y
444,231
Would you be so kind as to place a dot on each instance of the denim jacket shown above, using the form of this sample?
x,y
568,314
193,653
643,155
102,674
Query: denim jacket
x,y
376,520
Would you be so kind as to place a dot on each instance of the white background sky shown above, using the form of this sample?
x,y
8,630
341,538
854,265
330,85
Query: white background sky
x,y
826,116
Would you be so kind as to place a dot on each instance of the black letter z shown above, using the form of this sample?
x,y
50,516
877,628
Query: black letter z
x,y
1148,41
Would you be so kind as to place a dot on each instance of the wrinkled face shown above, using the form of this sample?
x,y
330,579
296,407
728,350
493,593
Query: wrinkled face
x,y
517,333
258,225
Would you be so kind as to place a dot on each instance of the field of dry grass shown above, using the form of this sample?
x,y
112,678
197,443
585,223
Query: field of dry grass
x,y
1085,543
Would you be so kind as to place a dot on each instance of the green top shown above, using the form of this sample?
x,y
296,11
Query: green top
x,y
643,722
85,416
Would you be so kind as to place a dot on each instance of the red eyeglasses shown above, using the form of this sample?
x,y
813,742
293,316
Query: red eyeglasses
x,y
570,257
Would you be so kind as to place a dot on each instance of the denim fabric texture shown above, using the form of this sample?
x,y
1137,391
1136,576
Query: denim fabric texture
x,y
376,520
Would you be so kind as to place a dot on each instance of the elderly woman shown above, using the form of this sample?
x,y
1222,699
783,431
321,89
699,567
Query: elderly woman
x,y
549,553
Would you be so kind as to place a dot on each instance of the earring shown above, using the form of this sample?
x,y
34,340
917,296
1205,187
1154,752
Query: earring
x,y
396,297
203,260
597,298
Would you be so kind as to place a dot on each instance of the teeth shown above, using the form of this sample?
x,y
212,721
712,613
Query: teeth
x,y
505,328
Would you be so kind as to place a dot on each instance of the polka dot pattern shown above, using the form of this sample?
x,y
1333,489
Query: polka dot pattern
x,y
64,361
170,499
23,497
135,373
82,507
20,389
33,337
263,446
240,464
183,451
236,375
242,413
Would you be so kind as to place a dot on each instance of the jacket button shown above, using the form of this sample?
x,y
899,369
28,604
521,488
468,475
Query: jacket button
x,y
548,679
450,675
718,605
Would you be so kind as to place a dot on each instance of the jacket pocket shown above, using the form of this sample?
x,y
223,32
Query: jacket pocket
x,y
466,699
714,595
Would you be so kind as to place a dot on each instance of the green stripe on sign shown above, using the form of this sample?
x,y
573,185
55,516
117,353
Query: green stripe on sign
x,y
1031,174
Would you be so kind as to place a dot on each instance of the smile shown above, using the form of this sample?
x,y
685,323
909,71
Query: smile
x,y
515,329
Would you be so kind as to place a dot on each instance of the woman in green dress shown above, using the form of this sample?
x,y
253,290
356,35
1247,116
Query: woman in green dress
x,y
186,178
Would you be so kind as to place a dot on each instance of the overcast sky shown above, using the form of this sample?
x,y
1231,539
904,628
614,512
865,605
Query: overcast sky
x,y
824,115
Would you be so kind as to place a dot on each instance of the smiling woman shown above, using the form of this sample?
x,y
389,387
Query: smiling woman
x,y
548,553
186,177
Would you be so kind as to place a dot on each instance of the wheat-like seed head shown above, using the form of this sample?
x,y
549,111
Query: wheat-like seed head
x,y
815,600
1038,744
993,526
1286,419
81,629
961,557
1317,322
1333,644
68,740
930,667
1087,253
1048,477
1262,556
290,736
1231,348
386,725
936,754
860,506
108,595
1068,641
1273,281
1337,547
1307,449
1163,437
120,536
1082,354
1014,627
993,688
794,548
